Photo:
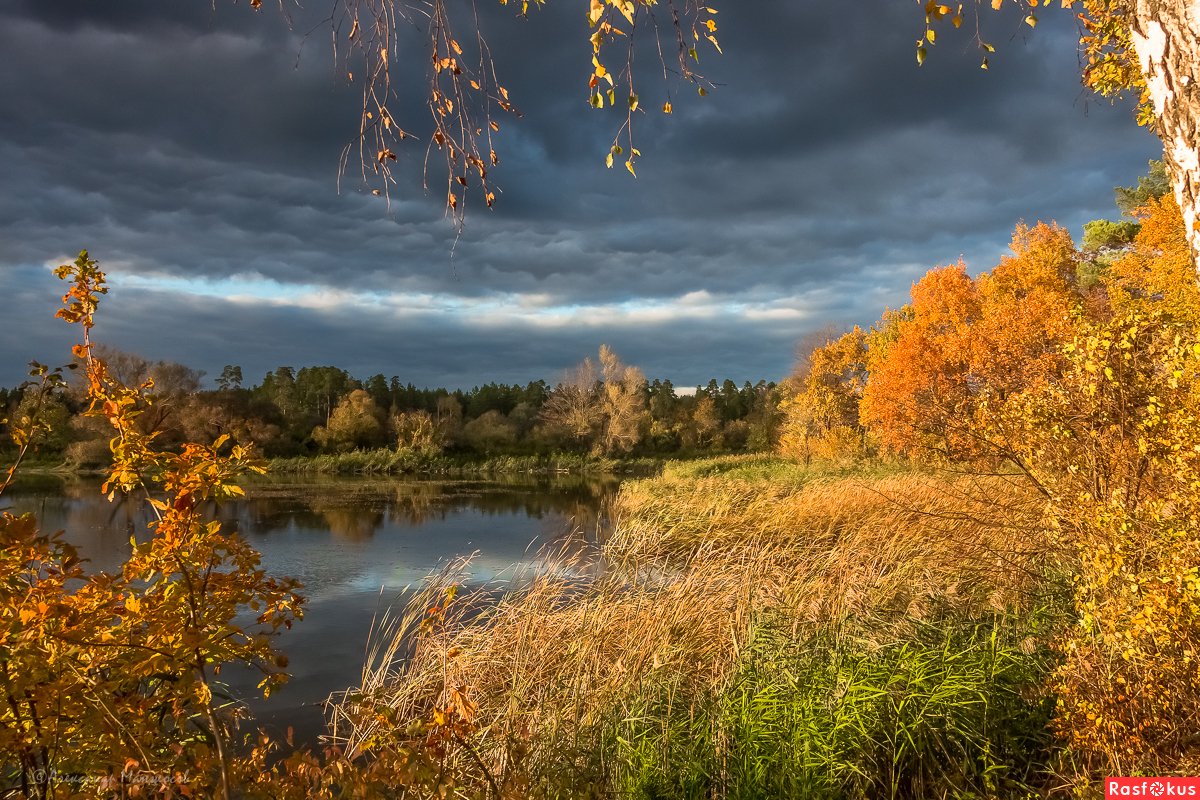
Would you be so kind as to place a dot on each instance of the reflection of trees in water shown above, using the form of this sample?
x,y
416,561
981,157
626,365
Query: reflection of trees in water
x,y
357,509
98,528
562,506
351,522
568,507
354,517
278,513
533,496
416,502
354,513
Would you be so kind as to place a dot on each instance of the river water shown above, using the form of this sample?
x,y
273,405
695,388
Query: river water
x,y
354,543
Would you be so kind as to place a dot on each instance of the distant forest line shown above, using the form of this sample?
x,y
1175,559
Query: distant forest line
x,y
602,407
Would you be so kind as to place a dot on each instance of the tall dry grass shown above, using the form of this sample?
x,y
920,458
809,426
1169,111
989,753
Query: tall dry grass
x,y
605,668
836,549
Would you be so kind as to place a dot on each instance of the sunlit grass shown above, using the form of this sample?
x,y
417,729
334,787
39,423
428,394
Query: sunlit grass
x,y
778,470
742,636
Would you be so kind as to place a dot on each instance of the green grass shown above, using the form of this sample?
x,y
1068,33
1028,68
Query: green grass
x,y
407,462
950,712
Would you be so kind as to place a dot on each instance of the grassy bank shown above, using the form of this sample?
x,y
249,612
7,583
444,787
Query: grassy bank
x,y
38,463
407,462
782,472
754,629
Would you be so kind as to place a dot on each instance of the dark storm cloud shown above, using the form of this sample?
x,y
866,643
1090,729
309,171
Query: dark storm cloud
x,y
183,141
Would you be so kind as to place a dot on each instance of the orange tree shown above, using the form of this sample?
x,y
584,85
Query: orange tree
x,y
920,367
939,365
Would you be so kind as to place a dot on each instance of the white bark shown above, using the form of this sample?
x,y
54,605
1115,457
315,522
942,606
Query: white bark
x,y
1166,36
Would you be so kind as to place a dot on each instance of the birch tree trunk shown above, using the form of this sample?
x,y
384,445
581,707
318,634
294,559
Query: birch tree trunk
x,y
1166,36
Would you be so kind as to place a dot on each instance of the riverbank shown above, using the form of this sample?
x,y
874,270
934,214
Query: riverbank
x,y
385,461
757,628
408,462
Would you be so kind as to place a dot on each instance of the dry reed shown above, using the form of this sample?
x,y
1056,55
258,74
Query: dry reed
x,y
655,624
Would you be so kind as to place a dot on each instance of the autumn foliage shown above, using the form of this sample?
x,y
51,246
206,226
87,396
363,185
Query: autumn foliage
x,y
1116,446
1157,271
1091,396
940,366
821,412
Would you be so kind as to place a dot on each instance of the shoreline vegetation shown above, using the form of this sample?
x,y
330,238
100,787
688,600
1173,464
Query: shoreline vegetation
x,y
410,463
385,461
407,463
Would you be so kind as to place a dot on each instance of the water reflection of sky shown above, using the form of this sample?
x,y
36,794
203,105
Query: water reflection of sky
x,y
355,544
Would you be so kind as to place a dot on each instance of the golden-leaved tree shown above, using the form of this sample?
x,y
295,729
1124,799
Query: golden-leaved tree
x,y
603,406
1157,270
821,407
356,422
1115,444
623,403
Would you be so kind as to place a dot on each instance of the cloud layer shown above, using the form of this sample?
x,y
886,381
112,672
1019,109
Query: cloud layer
x,y
194,151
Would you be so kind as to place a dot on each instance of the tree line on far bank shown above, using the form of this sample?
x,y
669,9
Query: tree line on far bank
x,y
600,407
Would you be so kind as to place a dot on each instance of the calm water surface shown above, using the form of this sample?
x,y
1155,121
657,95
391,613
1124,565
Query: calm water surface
x,y
353,543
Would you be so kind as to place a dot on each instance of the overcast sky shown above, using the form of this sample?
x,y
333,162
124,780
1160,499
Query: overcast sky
x,y
193,149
